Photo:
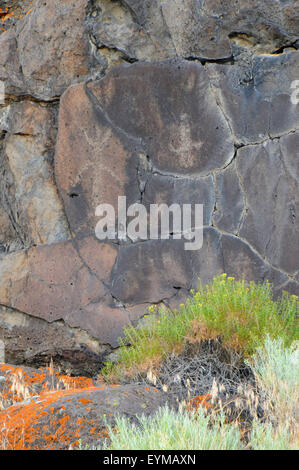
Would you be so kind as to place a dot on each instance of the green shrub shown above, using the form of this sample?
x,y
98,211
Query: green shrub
x,y
266,436
241,314
170,430
276,370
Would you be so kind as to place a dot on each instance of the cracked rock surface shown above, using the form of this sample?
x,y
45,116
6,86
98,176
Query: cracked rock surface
x,y
175,102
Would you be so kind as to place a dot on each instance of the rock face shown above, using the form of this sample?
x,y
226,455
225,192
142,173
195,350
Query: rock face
x,y
155,29
28,191
175,102
100,156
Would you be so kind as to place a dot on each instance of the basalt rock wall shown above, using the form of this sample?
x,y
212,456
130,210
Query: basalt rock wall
x,y
186,102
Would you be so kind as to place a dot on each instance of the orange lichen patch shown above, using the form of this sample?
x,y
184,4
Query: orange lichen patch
x,y
7,16
22,383
84,401
203,401
104,433
22,426
54,418
8,13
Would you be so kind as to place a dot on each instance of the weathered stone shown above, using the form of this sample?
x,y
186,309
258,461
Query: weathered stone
x,y
289,149
155,271
32,198
6,229
35,342
99,258
229,201
170,190
125,29
240,260
103,139
10,72
49,50
95,162
255,95
65,282
227,253
13,272
271,226
151,30
183,133
33,119
291,287
55,284
74,418
137,312
208,261
2,351
11,11
105,320
33,382
151,271
58,43
59,282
